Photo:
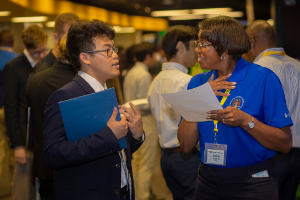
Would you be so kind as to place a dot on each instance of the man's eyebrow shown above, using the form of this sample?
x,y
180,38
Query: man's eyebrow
x,y
108,45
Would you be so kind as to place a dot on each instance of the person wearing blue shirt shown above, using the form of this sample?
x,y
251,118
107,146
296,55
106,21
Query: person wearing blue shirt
x,y
238,143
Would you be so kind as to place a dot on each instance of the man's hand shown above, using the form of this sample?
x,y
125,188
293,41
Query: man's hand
x,y
119,128
134,120
20,155
220,84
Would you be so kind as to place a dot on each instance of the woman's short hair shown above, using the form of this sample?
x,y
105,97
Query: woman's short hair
x,y
225,33
81,37
174,35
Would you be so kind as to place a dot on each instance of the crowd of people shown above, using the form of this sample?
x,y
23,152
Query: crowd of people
x,y
255,137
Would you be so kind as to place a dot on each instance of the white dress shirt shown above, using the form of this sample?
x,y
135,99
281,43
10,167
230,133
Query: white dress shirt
x,y
29,58
288,71
173,78
96,85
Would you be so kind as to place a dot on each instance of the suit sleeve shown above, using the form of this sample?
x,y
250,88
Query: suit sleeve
x,y
10,101
61,153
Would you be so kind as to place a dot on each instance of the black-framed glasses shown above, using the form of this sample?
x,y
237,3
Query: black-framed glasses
x,y
200,46
109,52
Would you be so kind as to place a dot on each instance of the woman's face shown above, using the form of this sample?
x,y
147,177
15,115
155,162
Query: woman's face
x,y
207,55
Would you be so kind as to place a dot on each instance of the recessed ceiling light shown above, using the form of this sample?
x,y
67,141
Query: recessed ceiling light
x,y
167,13
29,19
147,9
50,24
167,2
137,6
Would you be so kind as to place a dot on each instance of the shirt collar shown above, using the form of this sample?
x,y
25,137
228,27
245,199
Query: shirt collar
x,y
92,81
239,72
173,66
140,64
267,50
6,48
29,58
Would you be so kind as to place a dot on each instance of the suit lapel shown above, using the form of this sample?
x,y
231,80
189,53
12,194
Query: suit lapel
x,y
85,86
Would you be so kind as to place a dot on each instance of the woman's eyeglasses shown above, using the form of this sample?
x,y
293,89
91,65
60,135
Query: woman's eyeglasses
x,y
200,46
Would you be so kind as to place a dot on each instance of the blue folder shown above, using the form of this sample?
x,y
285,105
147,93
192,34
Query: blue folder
x,y
85,115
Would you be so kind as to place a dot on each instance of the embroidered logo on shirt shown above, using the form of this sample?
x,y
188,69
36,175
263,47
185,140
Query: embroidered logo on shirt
x,y
237,102
287,115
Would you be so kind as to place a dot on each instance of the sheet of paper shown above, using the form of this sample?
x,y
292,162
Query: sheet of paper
x,y
194,104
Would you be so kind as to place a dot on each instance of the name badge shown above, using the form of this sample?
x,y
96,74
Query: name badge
x,y
215,154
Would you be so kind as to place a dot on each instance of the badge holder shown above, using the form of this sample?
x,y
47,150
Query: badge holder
x,y
215,154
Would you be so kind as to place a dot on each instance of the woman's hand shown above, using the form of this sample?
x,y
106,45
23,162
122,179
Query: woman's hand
x,y
221,84
231,116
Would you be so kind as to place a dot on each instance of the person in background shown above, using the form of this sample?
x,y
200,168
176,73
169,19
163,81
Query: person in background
x,y
6,54
238,144
15,75
93,167
179,168
40,88
264,52
61,27
136,85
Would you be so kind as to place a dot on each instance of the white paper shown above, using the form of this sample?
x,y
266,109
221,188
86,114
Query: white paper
x,y
194,104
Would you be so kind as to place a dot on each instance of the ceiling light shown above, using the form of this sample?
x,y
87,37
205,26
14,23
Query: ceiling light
x,y
4,13
50,24
147,9
211,10
120,29
137,6
186,17
29,19
229,14
167,13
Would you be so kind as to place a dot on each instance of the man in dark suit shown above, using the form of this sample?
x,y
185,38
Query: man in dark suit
x,y
95,167
15,75
39,89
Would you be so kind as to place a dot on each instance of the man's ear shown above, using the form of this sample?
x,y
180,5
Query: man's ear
x,y
181,47
56,38
85,58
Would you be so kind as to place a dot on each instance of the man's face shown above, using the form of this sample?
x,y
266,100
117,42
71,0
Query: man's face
x,y
38,53
104,65
191,56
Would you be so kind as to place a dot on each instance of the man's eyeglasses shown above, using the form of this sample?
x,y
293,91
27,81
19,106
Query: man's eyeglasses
x,y
109,52
201,46
37,54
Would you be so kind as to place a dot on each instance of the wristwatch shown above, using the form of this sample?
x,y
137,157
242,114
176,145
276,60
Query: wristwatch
x,y
250,125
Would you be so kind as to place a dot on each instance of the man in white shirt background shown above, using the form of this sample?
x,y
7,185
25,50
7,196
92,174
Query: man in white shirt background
x,y
179,168
264,52
136,85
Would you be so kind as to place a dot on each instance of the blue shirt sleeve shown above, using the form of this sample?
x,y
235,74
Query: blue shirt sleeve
x,y
275,111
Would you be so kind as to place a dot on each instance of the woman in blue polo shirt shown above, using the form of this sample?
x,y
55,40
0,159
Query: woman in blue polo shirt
x,y
238,143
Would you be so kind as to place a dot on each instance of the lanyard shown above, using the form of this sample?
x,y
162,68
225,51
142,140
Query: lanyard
x,y
215,121
282,53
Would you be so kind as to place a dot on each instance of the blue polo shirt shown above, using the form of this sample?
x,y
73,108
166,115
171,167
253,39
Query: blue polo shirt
x,y
259,93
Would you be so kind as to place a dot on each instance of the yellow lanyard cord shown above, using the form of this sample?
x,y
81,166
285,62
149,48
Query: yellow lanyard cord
x,y
274,52
215,121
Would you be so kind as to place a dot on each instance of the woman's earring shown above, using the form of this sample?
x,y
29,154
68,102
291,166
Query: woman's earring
x,y
222,58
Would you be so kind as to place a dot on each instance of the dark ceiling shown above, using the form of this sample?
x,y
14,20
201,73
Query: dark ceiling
x,y
261,7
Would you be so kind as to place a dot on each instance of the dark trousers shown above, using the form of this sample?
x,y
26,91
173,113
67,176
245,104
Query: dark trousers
x,y
46,189
236,183
288,172
180,172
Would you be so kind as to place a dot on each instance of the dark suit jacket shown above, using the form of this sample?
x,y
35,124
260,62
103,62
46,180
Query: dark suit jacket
x,y
15,75
39,88
88,168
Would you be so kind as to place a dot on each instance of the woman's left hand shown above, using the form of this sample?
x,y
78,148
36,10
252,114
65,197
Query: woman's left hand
x,y
230,116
